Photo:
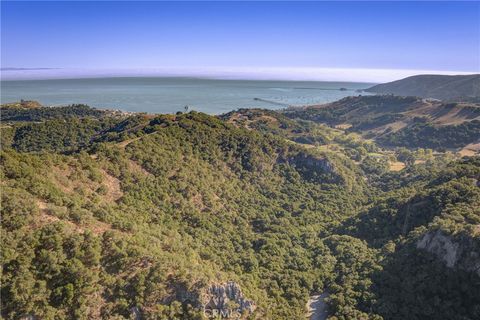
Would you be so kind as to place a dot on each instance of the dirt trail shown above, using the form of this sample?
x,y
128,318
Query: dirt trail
x,y
125,143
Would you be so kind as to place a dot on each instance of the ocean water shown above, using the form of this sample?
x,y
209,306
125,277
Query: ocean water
x,y
169,95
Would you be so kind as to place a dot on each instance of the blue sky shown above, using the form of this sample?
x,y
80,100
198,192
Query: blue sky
x,y
441,36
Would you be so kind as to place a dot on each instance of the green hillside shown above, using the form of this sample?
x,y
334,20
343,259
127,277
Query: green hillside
x,y
117,216
395,121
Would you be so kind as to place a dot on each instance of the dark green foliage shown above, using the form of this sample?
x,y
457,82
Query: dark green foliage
x,y
268,121
374,165
426,135
395,121
416,285
57,135
6,136
418,202
47,271
161,207
9,114
351,296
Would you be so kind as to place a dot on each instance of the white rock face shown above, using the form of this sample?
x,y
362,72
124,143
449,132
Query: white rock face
x,y
440,245
454,252
317,308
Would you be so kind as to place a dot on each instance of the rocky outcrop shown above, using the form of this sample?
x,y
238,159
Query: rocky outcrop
x,y
306,160
317,307
226,301
441,246
316,169
217,301
460,253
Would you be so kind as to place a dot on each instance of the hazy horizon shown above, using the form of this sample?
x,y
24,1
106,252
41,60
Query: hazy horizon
x,y
224,73
317,41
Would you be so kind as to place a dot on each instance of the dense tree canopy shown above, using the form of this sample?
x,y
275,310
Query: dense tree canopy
x,y
104,214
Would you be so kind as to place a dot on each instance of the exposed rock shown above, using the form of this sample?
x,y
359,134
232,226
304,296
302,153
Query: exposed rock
x,y
227,301
317,307
307,160
440,245
315,168
455,252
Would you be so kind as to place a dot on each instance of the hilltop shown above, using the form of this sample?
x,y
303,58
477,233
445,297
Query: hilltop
x,y
395,121
23,104
458,88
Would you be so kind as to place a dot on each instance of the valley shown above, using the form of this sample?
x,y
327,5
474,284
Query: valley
x,y
245,215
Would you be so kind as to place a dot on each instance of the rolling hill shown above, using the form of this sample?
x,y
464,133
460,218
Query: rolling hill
x,y
458,88
395,121
108,216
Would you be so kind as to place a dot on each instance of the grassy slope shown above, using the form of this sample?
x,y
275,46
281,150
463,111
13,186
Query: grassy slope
x,y
433,86
400,121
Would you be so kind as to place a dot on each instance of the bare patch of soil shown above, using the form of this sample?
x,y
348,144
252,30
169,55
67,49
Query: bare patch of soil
x,y
470,150
114,191
135,167
396,166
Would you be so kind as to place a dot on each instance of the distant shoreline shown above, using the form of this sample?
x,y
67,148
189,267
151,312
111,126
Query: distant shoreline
x,y
173,77
170,94
357,75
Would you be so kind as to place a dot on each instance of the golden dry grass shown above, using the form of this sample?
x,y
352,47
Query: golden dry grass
x,y
135,167
343,126
470,150
396,166
114,191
